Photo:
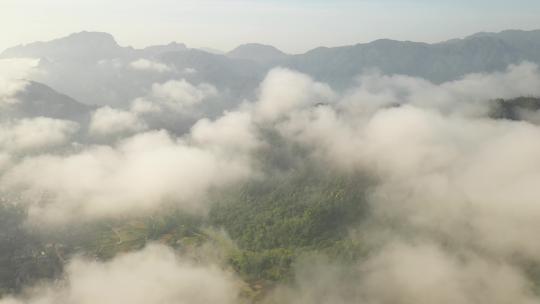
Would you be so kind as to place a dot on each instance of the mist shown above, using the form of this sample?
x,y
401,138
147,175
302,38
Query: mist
x,y
388,188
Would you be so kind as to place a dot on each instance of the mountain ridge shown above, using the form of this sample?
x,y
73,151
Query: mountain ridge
x,y
40,100
107,37
86,65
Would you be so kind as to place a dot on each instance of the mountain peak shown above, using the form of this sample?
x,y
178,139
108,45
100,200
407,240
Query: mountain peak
x,y
257,52
77,46
160,49
40,100
86,36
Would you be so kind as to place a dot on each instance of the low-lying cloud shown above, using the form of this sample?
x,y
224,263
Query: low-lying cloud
x,y
13,75
154,275
149,65
176,95
99,181
461,187
32,134
408,273
284,91
469,178
108,121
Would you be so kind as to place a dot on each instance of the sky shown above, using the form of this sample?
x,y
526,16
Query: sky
x,y
293,26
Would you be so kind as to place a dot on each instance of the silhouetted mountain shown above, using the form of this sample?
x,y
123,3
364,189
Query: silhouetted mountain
x,y
438,62
260,53
238,75
92,67
160,49
212,50
40,100
78,46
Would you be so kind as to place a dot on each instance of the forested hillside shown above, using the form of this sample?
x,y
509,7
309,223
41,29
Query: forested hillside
x,y
261,227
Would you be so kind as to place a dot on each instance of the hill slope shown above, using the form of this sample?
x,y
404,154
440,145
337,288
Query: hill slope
x,y
37,99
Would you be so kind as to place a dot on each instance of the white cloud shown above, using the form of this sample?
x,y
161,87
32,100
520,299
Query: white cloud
x,y
393,277
445,174
189,71
142,106
5,160
141,173
30,134
233,132
13,73
465,96
177,95
108,121
182,92
469,178
149,65
409,273
438,173
284,91
154,275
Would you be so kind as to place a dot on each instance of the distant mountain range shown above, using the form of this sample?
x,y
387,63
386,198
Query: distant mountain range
x,y
440,62
91,66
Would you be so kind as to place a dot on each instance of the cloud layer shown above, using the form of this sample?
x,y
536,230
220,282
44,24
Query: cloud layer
x,y
99,181
13,73
460,188
153,275
108,121
27,135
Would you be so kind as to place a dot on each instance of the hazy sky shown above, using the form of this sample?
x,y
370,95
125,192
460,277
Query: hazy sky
x,y
294,26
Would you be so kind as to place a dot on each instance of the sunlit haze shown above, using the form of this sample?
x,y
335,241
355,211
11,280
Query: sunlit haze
x,y
293,26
